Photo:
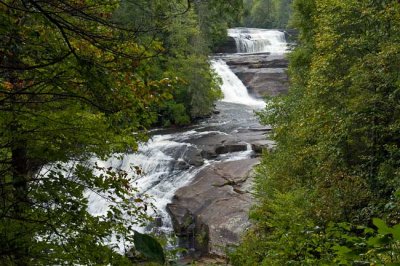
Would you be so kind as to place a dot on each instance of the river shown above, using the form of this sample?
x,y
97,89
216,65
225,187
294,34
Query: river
x,y
171,160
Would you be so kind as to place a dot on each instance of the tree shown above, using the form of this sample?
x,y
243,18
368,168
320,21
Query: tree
x,y
186,41
69,90
267,13
336,165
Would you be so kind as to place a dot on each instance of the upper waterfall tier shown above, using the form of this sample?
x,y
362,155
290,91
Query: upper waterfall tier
x,y
249,40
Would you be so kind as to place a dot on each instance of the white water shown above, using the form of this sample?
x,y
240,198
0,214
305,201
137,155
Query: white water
x,y
232,87
250,40
163,159
159,160
164,164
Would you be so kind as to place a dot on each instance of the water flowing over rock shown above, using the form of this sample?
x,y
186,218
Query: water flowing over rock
x,y
233,89
200,177
258,40
260,62
262,74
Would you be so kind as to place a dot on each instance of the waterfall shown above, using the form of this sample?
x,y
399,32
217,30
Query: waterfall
x,y
250,40
232,87
171,161
168,162
165,163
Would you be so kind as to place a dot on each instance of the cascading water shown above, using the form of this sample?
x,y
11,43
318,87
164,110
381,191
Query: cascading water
x,y
167,159
166,165
168,162
232,87
258,40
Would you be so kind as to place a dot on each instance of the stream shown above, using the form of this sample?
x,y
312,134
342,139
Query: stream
x,y
171,160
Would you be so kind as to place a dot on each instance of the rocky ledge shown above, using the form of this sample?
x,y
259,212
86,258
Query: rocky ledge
x,y
262,74
213,144
211,213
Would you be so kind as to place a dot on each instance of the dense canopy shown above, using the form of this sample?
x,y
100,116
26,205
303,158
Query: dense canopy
x,y
86,79
329,193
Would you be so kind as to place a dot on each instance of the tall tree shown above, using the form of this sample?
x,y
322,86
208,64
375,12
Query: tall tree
x,y
336,165
267,13
68,90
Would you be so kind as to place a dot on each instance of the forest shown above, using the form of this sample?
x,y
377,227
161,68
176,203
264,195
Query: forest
x,y
85,79
267,14
90,78
329,194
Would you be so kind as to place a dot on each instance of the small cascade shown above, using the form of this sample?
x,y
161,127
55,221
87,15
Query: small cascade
x,y
232,87
166,166
250,40
168,162
171,161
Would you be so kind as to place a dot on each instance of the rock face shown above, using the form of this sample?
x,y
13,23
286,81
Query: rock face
x,y
262,74
260,145
211,213
211,145
216,143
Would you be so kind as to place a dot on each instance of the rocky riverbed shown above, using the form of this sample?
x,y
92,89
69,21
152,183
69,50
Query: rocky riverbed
x,y
210,214
262,74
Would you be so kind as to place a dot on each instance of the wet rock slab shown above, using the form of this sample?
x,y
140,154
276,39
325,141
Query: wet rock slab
x,y
262,74
211,213
216,143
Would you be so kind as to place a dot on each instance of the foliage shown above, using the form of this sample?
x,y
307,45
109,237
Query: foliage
x,y
266,13
149,247
366,245
188,60
337,134
82,80
215,17
186,41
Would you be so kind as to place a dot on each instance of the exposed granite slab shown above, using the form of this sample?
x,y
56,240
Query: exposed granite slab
x,y
212,211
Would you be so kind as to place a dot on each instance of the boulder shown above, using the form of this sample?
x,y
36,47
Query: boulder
x,y
209,143
231,147
211,212
185,156
260,145
193,156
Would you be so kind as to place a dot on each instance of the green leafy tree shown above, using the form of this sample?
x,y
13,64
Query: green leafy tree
x,y
69,90
186,41
266,13
337,139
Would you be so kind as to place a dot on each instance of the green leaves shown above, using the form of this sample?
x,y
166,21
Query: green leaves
x,y
149,247
385,230
266,13
366,244
337,138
